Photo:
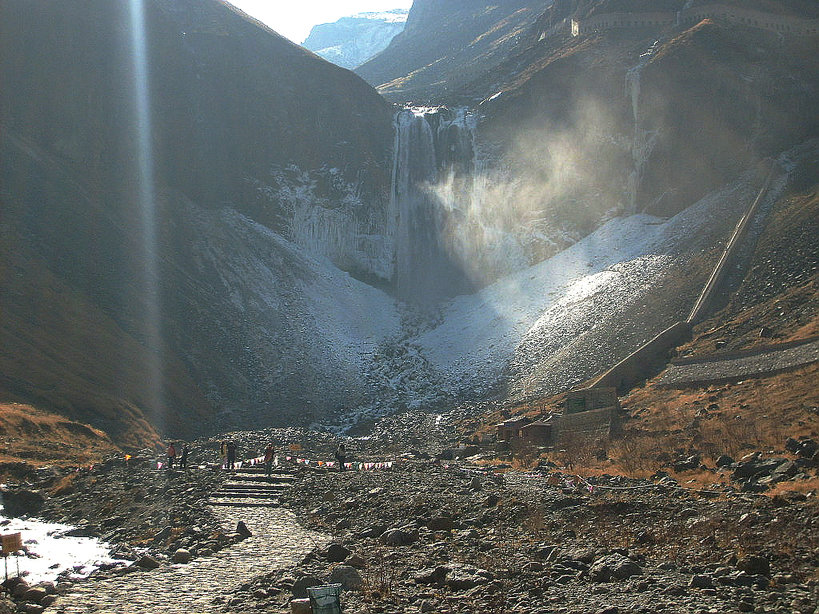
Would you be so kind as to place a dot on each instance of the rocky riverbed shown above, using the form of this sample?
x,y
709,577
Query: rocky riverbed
x,y
433,538
437,536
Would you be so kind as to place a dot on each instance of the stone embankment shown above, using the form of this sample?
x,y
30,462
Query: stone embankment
x,y
718,369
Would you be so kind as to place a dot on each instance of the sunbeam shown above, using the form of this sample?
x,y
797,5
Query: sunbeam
x,y
145,200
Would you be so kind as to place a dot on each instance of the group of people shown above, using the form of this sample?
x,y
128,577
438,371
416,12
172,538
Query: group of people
x,y
183,457
227,452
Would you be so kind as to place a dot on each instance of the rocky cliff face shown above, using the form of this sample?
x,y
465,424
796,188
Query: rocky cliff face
x,y
351,41
239,125
445,44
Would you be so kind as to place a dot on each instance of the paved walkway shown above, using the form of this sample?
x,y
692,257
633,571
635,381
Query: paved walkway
x,y
737,368
205,584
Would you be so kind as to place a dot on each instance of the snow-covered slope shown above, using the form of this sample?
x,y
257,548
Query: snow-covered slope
x,y
563,320
353,40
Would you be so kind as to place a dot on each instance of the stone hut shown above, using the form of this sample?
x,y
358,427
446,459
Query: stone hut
x,y
510,429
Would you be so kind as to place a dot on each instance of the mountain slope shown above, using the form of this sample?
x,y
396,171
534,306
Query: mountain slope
x,y
447,43
110,319
353,40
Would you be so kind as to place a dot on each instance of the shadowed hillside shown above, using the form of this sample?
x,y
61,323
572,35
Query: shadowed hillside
x,y
231,107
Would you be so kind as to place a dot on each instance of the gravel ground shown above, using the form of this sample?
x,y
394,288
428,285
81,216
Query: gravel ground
x,y
430,538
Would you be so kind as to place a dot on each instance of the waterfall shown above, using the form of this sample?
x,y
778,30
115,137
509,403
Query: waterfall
x,y
431,146
685,7
643,140
456,227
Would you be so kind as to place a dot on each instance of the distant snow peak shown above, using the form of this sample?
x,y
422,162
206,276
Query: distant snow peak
x,y
353,40
392,16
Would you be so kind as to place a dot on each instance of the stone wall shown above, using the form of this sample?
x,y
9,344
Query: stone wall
x,y
592,423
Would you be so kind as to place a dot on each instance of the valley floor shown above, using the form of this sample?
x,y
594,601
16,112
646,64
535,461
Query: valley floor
x,y
429,535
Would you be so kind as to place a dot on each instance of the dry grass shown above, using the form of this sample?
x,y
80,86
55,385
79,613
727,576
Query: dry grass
x,y
37,437
379,577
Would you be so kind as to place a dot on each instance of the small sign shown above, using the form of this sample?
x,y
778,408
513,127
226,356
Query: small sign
x,y
11,542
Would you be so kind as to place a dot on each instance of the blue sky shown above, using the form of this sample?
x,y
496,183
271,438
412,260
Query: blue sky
x,y
294,18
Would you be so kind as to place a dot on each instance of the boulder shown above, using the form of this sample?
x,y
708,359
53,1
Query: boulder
x,y
22,502
613,567
335,553
441,523
724,460
147,562
182,556
807,448
48,600
754,564
347,576
242,530
688,463
399,537
432,575
35,594
701,581
465,577
19,589
301,584
300,606
356,561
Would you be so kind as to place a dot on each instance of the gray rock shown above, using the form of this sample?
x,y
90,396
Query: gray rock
x,y
347,576
182,556
724,460
432,575
335,553
427,605
300,586
22,501
441,523
241,529
399,537
35,594
613,567
48,600
701,581
754,564
147,562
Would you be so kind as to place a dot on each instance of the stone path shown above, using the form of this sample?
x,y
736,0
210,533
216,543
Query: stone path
x,y
717,369
205,584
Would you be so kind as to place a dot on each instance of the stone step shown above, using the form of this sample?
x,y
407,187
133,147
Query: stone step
x,y
246,495
260,473
235,503
253,486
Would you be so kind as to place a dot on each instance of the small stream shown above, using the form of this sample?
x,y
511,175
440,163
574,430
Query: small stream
x,y
50,552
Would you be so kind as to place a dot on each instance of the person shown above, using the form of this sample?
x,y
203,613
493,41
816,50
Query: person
x,y
231,455
183,460
341,456
223,453
268,459
171,455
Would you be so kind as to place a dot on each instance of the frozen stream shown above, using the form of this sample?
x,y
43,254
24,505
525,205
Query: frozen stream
x,y
51,552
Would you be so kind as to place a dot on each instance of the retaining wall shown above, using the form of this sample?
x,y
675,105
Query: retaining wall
x,y
646,361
